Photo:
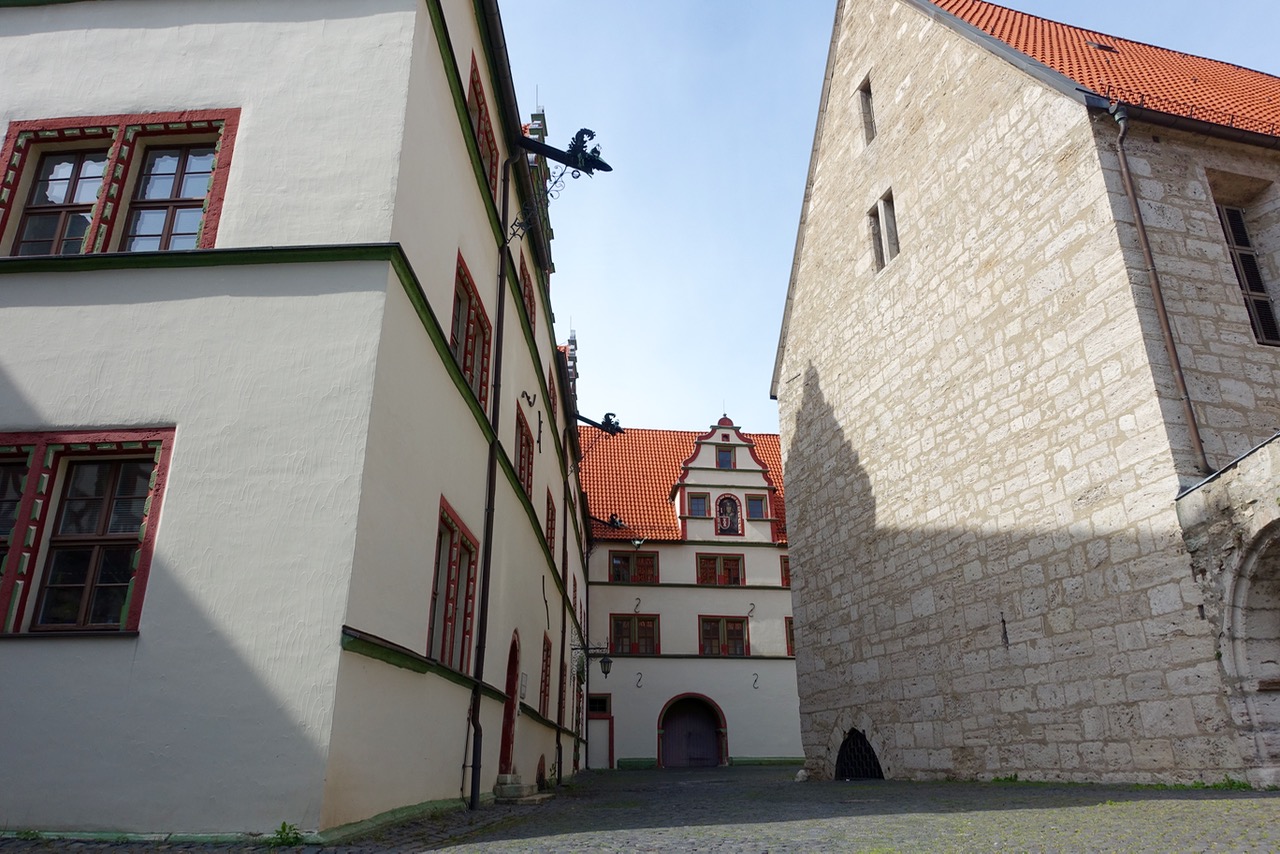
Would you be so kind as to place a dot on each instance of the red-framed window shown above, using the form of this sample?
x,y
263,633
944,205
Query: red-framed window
x,y
791,637
786,570
524,453
79,513
551,389
481,125
634,634
470,333
726,636
699,504
633,567
577,610
721,570
453,592
725,457
551,522
526,293
544,690
142,182
728,516
599,706
757,507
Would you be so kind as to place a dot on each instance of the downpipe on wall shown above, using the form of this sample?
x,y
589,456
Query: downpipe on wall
x,y
1121,115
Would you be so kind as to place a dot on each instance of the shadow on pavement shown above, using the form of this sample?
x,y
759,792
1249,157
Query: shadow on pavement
x,y
637,800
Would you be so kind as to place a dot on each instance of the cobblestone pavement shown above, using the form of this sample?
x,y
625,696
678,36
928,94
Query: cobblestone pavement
x,y
762,810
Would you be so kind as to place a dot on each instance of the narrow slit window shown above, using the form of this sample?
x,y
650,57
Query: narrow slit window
x,y
882,222
890,227
867,107
877,244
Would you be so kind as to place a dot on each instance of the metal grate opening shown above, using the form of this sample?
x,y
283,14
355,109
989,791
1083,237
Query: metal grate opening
x,y
857,759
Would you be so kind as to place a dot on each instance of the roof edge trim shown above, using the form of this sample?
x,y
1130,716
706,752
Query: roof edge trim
x,y
1046,75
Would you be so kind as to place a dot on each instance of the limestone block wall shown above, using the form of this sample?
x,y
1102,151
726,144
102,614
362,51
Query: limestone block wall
x,y
1232,525
1233,381
981,444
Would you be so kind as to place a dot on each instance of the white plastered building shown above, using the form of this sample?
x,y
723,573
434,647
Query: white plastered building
x,y
690,595
288,503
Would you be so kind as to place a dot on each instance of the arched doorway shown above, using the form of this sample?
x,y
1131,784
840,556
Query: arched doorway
x,y
857,759
1256,644
691,734
505,755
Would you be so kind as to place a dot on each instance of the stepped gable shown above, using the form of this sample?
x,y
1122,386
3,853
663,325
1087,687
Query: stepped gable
x,y
631,474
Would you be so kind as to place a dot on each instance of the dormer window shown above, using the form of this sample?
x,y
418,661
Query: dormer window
x,y
699,505
724,457
756,507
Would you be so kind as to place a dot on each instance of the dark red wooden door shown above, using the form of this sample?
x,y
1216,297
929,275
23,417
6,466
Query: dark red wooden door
x,y
689,737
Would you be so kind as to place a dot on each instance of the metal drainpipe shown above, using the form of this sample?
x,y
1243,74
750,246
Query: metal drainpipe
x,y
1121,115
491,485
564,626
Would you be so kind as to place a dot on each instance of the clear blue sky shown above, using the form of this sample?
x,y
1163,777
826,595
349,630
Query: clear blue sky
x,y
673,269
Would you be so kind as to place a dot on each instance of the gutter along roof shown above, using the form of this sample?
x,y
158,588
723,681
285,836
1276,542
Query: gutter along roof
x,y
631,474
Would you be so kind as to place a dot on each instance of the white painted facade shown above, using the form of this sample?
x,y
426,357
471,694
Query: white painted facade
x,y
281,670
753,695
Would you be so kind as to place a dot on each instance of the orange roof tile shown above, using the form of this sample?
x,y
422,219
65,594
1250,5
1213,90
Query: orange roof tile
x,y
631,475
1157,78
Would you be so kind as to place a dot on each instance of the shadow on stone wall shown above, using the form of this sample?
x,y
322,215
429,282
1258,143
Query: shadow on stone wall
x,y
1054,652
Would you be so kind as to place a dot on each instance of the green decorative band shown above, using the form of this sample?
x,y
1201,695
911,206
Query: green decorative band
x,y
381,649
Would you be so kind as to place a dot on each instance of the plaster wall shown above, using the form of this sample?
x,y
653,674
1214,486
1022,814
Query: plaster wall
x,y
680,607
306,170
400,739
757,694
678,562
981,442
217,716
758,699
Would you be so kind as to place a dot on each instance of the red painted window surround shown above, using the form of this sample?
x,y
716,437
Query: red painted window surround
x,y
791,637
634,634
524,453
551,389
470,333
453,593
478,109
125,136
544,690
526,291
725,636
786,571
721,570
46,456
551,523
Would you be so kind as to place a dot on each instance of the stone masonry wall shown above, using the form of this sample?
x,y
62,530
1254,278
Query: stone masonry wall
x,y
982,442
1232,532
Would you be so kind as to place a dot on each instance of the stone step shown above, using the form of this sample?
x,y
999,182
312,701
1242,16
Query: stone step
x,y
526,800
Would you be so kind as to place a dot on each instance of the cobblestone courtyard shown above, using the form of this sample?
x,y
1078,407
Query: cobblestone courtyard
x,y
763,810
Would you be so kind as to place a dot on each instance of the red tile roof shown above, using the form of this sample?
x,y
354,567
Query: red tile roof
x,y
1157,78
631,475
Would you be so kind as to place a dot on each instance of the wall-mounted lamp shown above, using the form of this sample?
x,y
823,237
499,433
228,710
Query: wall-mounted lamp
x,y
588,652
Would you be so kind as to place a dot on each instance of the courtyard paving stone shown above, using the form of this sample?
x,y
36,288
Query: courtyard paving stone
x,y
754,809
